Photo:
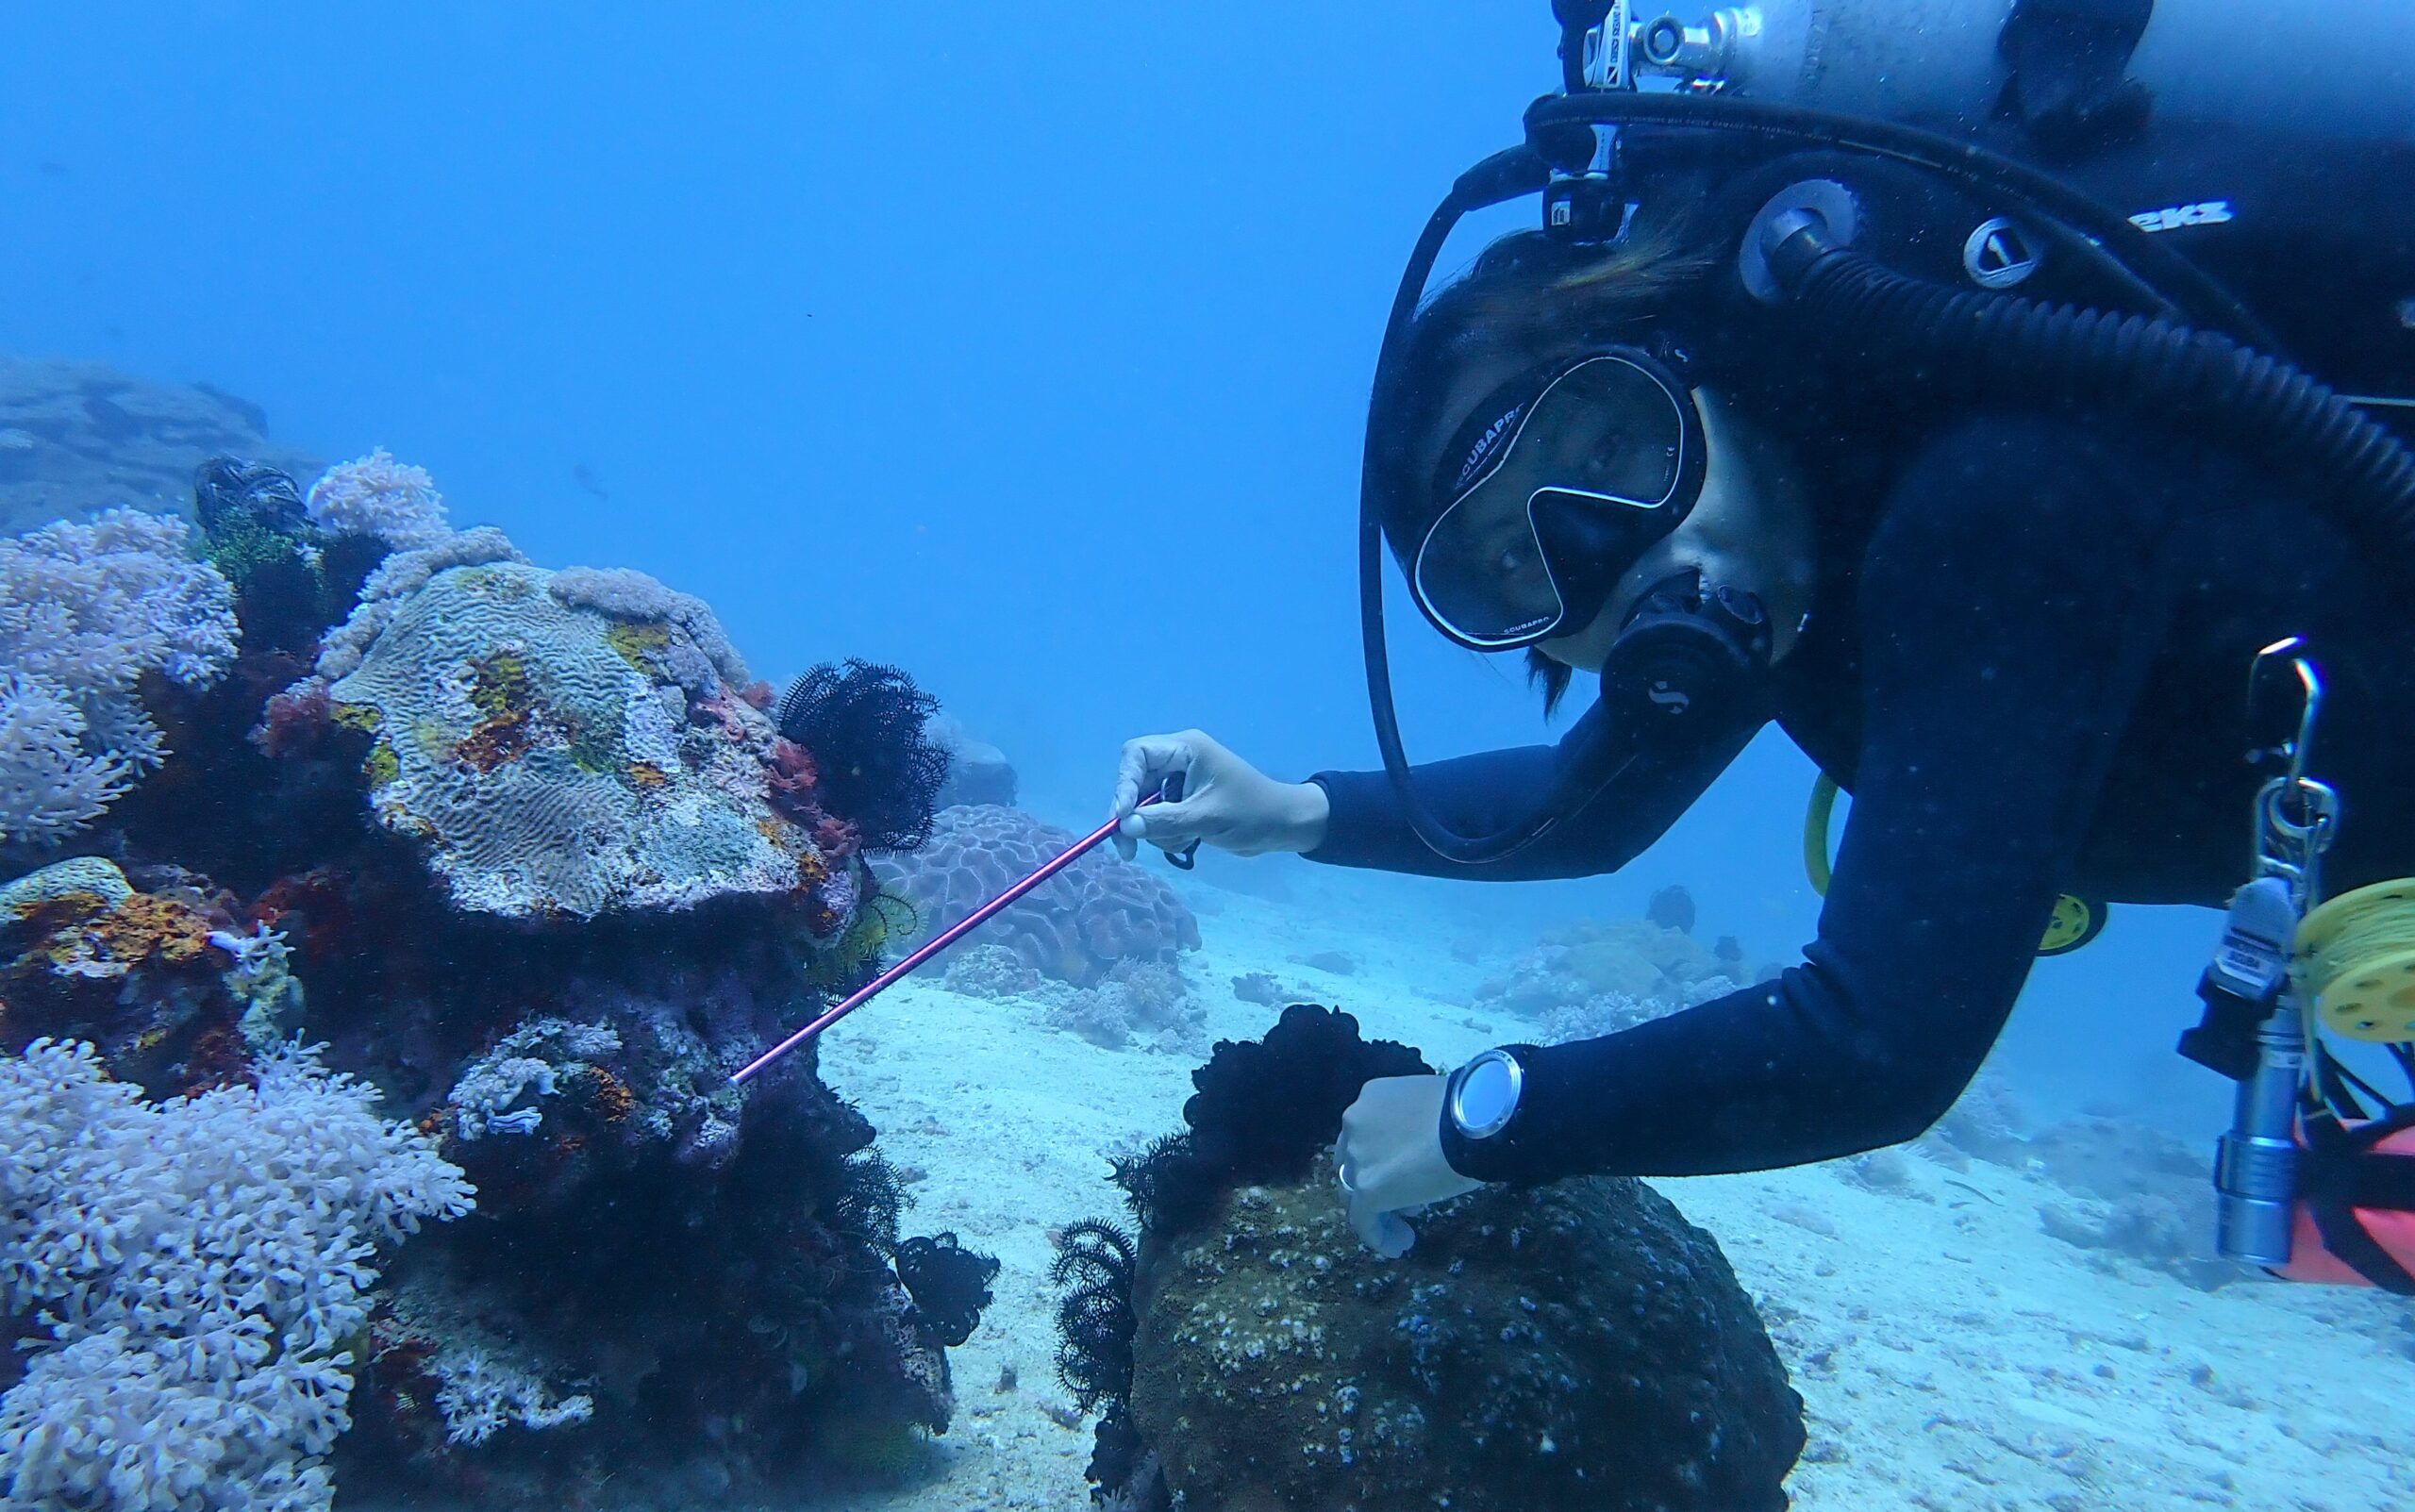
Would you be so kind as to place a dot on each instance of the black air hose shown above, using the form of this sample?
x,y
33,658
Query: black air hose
x,y
2003,346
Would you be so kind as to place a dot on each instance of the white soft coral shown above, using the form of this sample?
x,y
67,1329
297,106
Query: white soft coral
x,y
199,1265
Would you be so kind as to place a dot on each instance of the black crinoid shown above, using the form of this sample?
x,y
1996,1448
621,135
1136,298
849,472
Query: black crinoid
x,y
949,1286
1263,1110
865,726
1169,1188
1265,1107
290,579
868,1202
1095,1319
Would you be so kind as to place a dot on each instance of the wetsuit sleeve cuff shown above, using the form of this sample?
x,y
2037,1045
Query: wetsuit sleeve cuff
x,y
1360,819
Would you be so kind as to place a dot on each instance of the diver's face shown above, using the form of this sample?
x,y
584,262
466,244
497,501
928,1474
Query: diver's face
x,y
1750,528
1551,484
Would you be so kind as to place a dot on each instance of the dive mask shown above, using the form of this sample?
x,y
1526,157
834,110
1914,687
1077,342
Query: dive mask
x,y
1555,484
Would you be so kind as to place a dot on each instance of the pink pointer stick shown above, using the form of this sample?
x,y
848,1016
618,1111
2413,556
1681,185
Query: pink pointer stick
x,y
937,944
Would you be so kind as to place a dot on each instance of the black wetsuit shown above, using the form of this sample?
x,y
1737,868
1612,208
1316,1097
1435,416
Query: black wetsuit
x,y
2029,666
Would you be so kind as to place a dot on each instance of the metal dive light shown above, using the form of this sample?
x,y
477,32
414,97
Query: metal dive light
x,y
2255,1165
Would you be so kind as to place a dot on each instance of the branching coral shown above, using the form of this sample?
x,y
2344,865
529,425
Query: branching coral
x,y
377,496
55,778
199,1266
482,1393
86,612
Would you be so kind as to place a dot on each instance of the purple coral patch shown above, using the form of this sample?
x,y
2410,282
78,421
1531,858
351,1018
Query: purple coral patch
x,y
1098,912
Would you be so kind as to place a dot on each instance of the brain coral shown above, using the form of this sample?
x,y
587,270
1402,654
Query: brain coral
x,y
1098,912
548,757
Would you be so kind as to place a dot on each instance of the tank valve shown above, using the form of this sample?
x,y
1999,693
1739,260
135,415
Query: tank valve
x,y
1709,53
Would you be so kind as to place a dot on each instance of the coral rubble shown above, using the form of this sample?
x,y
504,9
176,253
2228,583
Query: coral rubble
x,y
1140,1002
1594,979
522,855
1573,1346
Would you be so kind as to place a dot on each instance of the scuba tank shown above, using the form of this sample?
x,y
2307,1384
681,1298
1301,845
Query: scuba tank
x,y
2258,140
2017,197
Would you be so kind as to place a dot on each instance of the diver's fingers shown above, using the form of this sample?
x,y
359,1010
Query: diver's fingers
x,y
1172,826
1388,1234
1142,766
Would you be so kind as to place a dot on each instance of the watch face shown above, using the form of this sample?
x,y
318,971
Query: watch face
x,y
1487,1095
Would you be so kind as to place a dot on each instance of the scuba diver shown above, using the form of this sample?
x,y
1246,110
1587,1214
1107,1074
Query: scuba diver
x,y
1946,395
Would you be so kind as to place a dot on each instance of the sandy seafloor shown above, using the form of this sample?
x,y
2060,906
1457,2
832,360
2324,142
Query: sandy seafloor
x,y
1950,1354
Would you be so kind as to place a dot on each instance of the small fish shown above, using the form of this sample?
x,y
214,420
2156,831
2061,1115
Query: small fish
x,y
1973,1191
585,477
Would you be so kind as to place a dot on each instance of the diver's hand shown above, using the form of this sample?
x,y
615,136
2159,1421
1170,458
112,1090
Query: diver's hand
x,y
1226,801
1389,1159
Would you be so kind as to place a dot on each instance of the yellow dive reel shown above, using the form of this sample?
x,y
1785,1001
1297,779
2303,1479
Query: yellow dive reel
x,y
2354,963
2075,921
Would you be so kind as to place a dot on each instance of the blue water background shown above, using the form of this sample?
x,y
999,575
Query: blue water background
x,y
1025,346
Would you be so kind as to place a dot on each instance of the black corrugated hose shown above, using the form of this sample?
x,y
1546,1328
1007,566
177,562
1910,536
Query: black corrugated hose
x,y
2003,346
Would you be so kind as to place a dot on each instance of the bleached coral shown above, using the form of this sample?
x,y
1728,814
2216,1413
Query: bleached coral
x,y
397,578
535,1055
633,597
375,496
481,1393
85,611
52,781
198,1267
261,978
535,755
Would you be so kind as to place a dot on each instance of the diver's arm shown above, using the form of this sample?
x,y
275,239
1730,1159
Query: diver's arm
x,y
1365,826
2008,615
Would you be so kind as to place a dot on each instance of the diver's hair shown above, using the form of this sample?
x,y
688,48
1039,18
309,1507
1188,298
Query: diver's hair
x,y
1535,297
1552,677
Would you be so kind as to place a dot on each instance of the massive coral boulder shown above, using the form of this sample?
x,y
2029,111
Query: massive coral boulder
x,y
78,437
1081,924
1574,1347
560,751
1579,1346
